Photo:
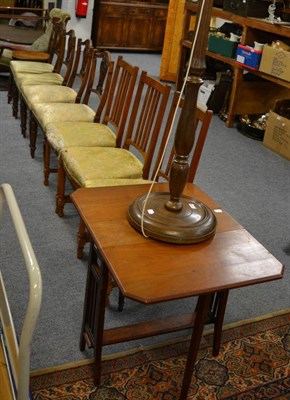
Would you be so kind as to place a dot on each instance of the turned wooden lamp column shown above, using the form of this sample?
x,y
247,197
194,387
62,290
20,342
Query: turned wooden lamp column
x,y
173,217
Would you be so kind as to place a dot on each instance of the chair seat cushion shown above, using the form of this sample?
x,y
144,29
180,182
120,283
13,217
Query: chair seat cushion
x,y
115,182
79,134
87,164
48,93
30,67
46,113
48,78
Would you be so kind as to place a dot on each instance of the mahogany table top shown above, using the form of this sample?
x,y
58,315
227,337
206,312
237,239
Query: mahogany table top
x,y
151,271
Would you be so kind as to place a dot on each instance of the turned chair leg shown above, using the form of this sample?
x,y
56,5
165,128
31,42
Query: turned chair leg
x,y
23,117
61,197
32,134
10,89
47,170
46,159
15,100
83,238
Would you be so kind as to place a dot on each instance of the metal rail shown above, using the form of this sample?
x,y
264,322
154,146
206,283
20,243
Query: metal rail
x,y
19,355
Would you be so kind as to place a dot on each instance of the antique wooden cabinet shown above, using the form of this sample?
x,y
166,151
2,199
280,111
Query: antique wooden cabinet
x,y
130,24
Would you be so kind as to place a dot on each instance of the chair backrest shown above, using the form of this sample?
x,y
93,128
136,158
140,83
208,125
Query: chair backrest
x,y
203,119
57,42
119,97
42,43
80,61
69,57
60,14
92,77
100,74
146,119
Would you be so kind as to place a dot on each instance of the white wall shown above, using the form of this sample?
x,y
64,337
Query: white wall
x,y
82,26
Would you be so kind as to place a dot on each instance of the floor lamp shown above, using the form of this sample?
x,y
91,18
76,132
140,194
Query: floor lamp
x,y
171,216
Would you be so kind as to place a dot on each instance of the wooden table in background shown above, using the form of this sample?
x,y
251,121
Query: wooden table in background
x,y
150,272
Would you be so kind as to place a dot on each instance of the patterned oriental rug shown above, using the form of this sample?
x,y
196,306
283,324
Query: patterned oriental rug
x,y
254,363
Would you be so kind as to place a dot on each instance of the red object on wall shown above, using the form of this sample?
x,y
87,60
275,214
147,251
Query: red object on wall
x,y
82,8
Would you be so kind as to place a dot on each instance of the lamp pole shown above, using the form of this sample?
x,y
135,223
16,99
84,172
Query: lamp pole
x,y
173,217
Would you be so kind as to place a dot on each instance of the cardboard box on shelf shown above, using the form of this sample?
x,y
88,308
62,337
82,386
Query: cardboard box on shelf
x,y
248,56
277,135
276,62
222,46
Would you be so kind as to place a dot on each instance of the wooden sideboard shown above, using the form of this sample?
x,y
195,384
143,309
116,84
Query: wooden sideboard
x,y
246,97
129,25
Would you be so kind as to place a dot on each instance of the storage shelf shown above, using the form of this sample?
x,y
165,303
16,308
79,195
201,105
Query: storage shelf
x,y
255,23
246,96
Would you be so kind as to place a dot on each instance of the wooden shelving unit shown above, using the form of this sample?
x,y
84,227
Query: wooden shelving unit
x,y
247,97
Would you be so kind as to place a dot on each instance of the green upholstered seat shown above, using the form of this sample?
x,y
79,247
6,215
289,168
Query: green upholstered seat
x,y
30,67
46,113
49,78
79,134
47,93
87,164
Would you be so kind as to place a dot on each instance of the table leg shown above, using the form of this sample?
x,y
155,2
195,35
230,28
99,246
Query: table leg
x,y
94,309
202,309
222,299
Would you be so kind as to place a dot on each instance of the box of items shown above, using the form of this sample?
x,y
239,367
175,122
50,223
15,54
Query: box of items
x,y
276,62
250,8
223,46
248,56
277,134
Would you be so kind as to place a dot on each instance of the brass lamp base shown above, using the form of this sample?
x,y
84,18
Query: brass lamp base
x,y
194,223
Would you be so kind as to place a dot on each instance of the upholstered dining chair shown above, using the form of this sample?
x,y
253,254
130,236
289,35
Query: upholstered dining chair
x,y
40,45
75,64
86,166
29,72
42,114
107,129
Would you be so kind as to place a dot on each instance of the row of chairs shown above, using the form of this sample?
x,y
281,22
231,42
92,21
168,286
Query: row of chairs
x,y
113,143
